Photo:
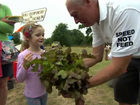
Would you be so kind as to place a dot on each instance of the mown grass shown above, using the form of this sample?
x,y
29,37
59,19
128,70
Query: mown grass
x,y
100,95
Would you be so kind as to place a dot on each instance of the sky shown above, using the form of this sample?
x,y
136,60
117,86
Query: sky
x,y
56,13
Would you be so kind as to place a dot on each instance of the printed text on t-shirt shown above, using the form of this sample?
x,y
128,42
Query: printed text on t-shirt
x,y
125,38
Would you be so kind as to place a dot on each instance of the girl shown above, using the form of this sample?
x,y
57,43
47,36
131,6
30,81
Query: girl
x,y
34,90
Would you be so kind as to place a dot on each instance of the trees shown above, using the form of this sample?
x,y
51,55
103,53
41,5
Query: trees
x,y
61,34
48,41
70,37
67,37
89,33
77,37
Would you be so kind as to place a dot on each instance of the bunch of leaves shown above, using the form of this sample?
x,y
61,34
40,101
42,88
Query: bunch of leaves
x,y
64,70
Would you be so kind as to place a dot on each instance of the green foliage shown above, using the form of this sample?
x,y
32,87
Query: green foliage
x,y
88,40
70,37
81,26
64,70
76,37
88,29
60,34
48,41
67,37
88,37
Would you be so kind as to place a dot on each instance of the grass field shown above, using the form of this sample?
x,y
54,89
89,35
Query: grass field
x,y
100,95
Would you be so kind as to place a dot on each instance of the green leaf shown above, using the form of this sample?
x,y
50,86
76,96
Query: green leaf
x,y
48,86
35,67
62,73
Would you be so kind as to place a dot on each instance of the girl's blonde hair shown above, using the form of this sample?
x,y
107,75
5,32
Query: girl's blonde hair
x,y
27,32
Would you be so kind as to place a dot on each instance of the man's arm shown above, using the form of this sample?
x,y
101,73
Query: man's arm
x,y
116,68
98,53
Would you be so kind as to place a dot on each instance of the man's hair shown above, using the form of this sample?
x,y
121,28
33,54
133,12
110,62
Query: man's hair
x,y
78,2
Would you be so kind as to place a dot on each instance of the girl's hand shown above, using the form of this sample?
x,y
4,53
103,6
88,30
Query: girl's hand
x,y
26,60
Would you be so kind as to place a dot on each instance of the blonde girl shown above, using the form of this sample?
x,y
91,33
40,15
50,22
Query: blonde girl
x,y
34,91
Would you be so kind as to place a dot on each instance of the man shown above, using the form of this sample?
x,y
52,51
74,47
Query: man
x,y
116,22
6,26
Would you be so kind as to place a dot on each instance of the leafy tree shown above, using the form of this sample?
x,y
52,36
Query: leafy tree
x,y
89,33
67,37
88,29
60,34
77,37
48,41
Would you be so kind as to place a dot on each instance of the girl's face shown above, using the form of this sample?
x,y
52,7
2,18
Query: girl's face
x,y
37,37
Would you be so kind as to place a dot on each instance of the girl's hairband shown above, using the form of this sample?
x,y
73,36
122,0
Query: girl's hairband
x,y
26,33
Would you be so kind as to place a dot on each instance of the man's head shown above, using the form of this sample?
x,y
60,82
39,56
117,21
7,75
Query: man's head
x,y
84,11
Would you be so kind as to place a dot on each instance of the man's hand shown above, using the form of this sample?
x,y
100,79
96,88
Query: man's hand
x,y
66,95
98,54
80,102
10,22
88,62
90,82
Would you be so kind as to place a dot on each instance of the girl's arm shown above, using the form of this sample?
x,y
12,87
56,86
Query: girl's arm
x,y
21,72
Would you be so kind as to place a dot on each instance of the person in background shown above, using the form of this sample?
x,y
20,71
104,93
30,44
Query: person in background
x,y
112,22
34,91
107,53
6,27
